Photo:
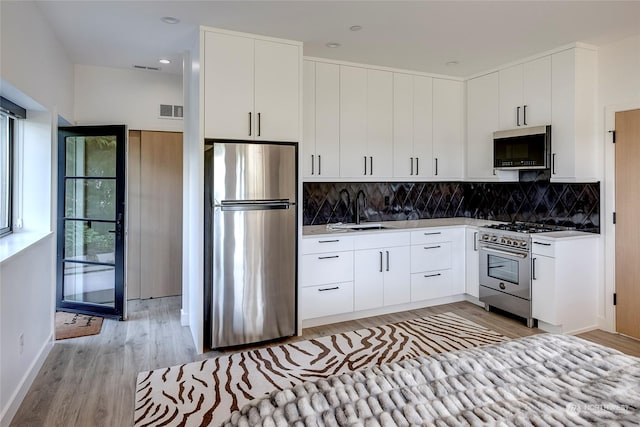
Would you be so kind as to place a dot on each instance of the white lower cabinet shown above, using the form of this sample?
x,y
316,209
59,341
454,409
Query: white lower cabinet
x,y
370,271
431,284
381,270
437,263
326,300
564,283
472,261
326,277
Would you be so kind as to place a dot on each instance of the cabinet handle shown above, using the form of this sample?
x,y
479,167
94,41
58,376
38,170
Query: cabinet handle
x,y
259,124
433,275
329,241
518,116
533,268
329,257
432,247
475,241
411,162
250,123
329,289
371,161
553,163
313,162
543,244
365,165
436,166
387,260
319,164
380,261
432,234
417,168
524,115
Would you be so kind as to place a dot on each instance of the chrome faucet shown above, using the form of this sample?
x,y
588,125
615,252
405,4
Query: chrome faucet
x,y
357,202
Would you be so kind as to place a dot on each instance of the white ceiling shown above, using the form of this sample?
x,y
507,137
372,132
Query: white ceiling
x,y
415,35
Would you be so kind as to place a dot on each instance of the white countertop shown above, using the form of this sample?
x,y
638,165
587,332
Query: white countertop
x,y
321,230
393,226
569,234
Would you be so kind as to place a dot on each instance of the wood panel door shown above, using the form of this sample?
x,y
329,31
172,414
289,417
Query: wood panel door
x,y
627,226
155,219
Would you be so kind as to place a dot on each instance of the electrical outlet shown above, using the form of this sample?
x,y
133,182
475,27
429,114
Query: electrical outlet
x,y
21,342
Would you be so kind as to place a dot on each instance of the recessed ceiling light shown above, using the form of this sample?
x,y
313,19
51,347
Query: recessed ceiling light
x,y
451,63
164,61
355,27
333,45
169,20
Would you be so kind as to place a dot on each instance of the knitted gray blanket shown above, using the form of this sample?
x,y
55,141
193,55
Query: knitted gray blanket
x,y
538,380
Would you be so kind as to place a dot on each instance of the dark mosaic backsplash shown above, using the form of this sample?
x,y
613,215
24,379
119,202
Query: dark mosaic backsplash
x,y
571,205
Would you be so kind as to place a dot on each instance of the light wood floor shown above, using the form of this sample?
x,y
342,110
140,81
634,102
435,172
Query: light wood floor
x,y
90,381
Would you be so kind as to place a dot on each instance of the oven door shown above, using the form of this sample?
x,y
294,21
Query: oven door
x,y
506,271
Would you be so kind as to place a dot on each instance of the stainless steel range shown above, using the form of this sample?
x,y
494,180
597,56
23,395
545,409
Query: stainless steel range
x,y
505,266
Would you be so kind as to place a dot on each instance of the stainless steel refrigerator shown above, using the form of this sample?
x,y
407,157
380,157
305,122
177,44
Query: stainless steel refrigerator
x,y
250,241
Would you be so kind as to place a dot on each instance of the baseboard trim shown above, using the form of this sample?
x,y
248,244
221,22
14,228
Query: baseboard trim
x,y
184,317
10,410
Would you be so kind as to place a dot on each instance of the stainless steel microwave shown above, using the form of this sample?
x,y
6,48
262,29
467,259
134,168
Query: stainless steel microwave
x,y
524,148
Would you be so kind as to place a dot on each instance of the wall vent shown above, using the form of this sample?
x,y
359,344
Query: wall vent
x,y
144,67
168,111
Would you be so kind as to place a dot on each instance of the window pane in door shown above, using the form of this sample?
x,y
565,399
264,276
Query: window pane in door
x,y
90,156
89,283
90,198
89,241
503,269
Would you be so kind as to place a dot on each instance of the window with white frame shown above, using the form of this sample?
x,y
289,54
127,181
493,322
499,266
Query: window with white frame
x,y
6,172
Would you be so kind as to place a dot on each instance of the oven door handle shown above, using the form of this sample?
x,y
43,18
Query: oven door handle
x,y
498,251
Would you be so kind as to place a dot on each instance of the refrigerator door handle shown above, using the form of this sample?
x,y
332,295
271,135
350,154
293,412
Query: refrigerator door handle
x,y
254,205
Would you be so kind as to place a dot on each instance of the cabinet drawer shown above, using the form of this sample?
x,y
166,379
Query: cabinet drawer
x,y
382,240
326,300
434,284
330,267
327,244
543,247
430,256
432,235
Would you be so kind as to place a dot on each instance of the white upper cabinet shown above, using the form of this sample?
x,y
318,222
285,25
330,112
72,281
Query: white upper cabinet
x,y
380,122
448,125
353,122
320,156
412,126
366,122
228,88
483,118
573,125
251,88
525,94
482,121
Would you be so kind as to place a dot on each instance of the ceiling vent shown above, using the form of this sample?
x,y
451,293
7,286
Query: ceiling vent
x,y
171,111
144,67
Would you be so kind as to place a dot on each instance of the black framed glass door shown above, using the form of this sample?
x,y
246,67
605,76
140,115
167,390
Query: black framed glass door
x,y
91,208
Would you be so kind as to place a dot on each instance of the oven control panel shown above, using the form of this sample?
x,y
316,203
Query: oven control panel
x,y
511,241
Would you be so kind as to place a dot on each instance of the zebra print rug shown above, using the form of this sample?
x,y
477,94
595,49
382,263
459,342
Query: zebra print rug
x,y
207,392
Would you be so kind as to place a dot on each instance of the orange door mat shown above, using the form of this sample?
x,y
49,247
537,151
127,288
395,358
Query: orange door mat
x,y
72,325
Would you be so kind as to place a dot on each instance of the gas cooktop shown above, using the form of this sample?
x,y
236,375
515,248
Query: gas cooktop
x,y
526,227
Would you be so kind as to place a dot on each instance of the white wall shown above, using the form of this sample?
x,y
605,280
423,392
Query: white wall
x,y
34,72
26,304
193,201
619,90
33,60
131,97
